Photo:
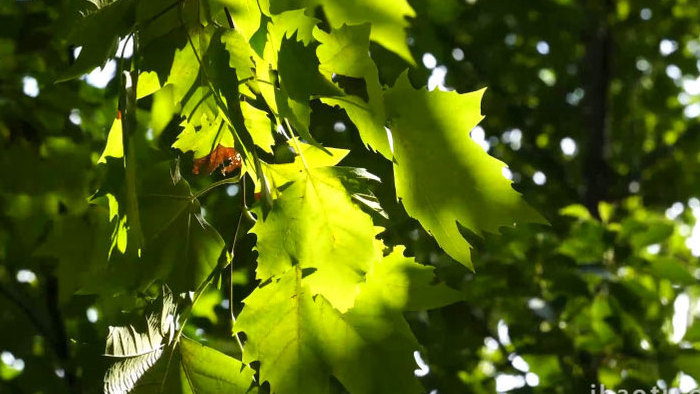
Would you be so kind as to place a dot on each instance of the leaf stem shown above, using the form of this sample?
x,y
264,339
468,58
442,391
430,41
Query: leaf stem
x,y
296,144
214,185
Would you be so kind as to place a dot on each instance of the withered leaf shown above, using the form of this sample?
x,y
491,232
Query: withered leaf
x,y
222,156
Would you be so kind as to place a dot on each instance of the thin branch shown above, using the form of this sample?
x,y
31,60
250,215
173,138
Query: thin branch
x,y
230,299
216,184
229,18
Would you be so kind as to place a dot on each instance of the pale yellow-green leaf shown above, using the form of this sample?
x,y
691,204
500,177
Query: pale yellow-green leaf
x,y
259,126
148,84
240,54
245,15
315,224
213,132
279,174
163,109
115,142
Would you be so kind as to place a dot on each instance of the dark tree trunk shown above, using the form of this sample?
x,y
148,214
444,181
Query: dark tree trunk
x,y
597,74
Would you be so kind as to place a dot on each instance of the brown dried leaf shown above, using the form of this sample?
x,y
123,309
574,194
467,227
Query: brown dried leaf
x,y
228,158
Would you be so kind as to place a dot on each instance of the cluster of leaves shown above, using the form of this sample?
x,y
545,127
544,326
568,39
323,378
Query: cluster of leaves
x,y
234,83
588,301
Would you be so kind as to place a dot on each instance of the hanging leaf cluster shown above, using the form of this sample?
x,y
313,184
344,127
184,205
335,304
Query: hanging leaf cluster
x,y
237,81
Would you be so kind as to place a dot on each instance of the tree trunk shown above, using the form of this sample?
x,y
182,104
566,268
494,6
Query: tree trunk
x,y
597,76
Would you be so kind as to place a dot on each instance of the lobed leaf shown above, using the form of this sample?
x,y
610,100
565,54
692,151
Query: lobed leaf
x,y
443,178
314,224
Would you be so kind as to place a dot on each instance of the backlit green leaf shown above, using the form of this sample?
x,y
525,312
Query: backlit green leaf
x,y
115,143
443,178
314,224
388,19
345,51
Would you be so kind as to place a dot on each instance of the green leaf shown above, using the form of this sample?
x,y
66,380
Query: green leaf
x,y
301,340
163,109
403,284
643,233
212,132
240,54
245,14
209,371
207,301
115,142
388,20
345,51
148,84
586,242
357,181
285,328
81,245
288,24
278,175
185,66
688,362
181,247
98,34
289,50
156,18
671,269
443,178
298,70
576,211
315,224
259,126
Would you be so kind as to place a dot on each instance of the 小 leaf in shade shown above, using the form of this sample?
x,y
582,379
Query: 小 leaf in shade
x,y
227,158
81,246
443,178
181,247
97,34
298,70
300,79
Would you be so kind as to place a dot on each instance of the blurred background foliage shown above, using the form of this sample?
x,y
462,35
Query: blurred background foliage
x,y
594,104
